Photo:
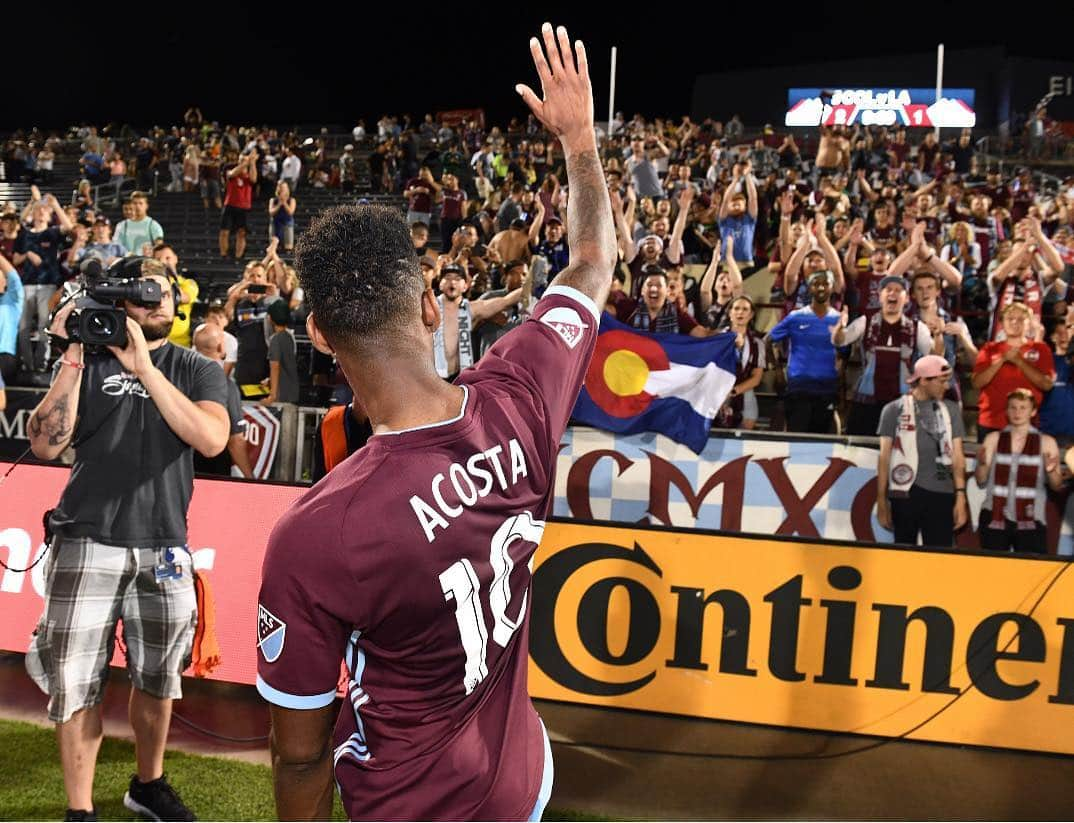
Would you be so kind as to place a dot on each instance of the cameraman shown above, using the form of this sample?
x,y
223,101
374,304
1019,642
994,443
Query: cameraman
x,y
134,417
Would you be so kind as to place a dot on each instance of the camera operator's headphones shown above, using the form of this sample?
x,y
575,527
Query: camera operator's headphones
x,y
131,267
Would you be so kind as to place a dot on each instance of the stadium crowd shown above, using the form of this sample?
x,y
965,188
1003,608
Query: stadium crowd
x,y
838,258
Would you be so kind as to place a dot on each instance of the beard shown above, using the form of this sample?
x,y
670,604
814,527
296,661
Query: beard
x,y
156,329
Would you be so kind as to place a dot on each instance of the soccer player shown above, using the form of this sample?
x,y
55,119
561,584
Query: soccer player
x,y
411,559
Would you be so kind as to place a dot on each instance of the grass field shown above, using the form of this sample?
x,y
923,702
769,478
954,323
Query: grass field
x,y
215,788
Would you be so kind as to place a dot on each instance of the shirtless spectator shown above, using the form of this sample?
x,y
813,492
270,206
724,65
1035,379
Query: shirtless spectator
x,y
833,152
513,243
453,343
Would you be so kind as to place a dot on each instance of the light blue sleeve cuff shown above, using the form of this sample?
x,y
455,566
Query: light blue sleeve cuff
x,y
294,701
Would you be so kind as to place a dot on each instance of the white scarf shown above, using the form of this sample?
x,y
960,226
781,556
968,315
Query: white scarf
x,y
904,448
466,350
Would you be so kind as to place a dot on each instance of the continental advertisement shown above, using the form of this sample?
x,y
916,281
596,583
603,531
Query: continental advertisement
x,y
957,647
928,645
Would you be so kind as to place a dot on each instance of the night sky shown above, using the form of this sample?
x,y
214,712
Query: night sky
x,y
332,63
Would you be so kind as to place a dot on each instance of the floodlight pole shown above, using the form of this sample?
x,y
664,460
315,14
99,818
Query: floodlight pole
x,y
939,80
611,93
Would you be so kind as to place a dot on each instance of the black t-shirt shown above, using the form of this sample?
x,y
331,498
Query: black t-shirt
x,y
249,327
46,245
221,464
133,477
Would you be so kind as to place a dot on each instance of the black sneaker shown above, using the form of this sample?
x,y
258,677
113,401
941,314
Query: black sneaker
x,y
80,814
156,800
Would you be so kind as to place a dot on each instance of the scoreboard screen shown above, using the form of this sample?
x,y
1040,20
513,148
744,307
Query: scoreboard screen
x,y
880,107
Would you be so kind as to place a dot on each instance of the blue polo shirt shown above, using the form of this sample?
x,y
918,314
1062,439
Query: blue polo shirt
x,y
811,363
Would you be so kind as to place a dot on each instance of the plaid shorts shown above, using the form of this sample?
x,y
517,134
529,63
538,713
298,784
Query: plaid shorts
x,y
89,586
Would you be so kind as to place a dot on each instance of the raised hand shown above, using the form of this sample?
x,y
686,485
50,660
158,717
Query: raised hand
x,y
686,197
786,203
566,109
617,201
917,234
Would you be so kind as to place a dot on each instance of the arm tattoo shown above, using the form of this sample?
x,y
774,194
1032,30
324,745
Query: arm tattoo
x,y
589,210
54,423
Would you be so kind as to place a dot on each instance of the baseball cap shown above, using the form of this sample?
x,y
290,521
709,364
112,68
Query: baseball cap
x,y
280,312
102,220
427,262
453,268
553,221
648,237
349,147
931,365
827,275
891,278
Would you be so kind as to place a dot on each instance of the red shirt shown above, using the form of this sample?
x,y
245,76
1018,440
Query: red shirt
x,y
992,402
410,560
239,192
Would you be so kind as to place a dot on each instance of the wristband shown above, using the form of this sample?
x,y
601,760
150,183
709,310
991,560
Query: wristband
x,y
960,490
72,364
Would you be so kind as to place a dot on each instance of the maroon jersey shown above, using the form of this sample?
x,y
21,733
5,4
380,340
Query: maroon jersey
x,y
411,561
453,205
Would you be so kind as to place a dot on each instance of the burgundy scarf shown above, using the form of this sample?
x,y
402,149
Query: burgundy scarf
x,y
1027,467
892,346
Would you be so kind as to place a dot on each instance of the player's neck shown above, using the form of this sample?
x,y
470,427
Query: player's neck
x,y
390,386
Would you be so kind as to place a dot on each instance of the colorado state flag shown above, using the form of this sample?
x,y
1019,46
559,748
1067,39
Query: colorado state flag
x,y
667,383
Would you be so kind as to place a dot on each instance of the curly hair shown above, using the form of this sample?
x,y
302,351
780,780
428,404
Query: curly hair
x,y
360,273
